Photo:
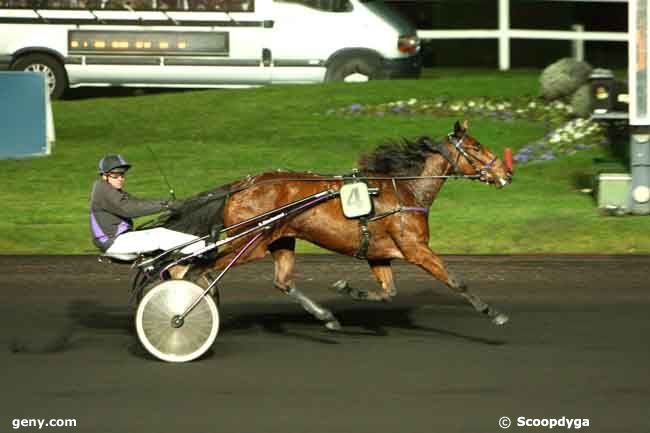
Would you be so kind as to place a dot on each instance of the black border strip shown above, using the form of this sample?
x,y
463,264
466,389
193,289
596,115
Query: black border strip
x,y
90,8
298,63
146,23
97,53
181,61
73,60
123,60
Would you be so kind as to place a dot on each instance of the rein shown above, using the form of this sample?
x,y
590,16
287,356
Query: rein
x,y
337,178
341,178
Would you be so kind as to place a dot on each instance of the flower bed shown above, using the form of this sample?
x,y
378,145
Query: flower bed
x,y
567,135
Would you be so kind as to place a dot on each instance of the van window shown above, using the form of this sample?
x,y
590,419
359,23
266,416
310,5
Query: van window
x,y
222,5
17,4
138,5
324,5
51,4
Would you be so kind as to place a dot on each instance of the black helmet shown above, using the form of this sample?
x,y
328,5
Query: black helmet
x,y
112,162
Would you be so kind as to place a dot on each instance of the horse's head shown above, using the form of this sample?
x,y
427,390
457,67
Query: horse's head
x,y
470,157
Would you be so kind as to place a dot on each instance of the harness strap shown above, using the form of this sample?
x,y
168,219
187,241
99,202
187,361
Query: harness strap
x,y
399,209
364,232
399,202
414,209
444,151
365,236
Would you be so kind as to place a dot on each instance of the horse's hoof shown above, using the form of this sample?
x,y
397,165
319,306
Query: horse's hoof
x,y
341,286
333,325
500,319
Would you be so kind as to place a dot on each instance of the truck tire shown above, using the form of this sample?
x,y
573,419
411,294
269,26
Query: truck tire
x,y
354,69
55,75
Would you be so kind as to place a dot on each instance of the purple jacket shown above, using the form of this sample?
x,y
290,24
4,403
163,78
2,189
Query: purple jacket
x,y
112,210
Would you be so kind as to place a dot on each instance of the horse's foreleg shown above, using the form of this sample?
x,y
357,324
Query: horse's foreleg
x,y
283,260
433,264
384,275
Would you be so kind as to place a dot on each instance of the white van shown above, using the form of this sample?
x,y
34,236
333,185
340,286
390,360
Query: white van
x,y
205,43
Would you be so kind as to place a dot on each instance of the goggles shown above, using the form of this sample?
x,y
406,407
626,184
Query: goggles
x,y
116,174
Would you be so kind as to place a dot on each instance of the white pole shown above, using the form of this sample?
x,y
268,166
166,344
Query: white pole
x,y
638,79
638,75
504,35
578,46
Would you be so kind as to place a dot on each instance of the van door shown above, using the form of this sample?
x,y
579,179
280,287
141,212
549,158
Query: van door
x,y
174,42
307,33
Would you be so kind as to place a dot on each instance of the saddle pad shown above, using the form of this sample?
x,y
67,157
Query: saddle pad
x,y
355,200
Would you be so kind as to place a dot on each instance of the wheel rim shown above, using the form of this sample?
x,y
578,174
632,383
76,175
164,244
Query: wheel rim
x,y
47,71
356,78
154,322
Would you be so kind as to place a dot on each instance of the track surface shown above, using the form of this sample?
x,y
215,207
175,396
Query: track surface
x,y
577,346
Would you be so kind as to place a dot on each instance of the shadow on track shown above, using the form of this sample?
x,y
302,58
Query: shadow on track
x,y
94,315
359,323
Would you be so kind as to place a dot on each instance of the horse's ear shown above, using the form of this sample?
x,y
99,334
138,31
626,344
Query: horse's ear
x,y
458,129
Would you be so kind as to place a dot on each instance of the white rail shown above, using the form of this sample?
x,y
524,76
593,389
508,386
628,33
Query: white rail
x,y
504,33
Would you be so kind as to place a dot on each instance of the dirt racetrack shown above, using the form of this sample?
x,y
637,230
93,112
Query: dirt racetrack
x,y
577,347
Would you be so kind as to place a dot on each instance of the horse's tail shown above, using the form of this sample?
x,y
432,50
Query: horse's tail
x,y
200,215
203,213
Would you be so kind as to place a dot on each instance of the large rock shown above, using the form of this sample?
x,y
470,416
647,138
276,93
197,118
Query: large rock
x,y
581,101
562,78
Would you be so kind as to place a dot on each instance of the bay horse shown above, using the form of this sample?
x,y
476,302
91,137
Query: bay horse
x,y
405,174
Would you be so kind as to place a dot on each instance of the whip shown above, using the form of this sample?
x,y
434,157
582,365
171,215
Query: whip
x,y
162,173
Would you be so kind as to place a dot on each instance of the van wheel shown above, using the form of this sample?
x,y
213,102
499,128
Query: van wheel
x,y
55,76
358,69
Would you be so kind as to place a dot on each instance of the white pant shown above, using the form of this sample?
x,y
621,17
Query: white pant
x,y
129,245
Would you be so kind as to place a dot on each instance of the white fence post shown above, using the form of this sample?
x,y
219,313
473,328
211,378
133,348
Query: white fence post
x,y
578,45
504,35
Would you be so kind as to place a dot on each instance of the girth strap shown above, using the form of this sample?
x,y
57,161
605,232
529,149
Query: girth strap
x,y
399,209
364,233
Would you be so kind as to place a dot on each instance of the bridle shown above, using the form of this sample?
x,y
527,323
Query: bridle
x,y
480,170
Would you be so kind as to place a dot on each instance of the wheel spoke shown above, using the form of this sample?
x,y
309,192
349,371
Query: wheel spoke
x,y
50,78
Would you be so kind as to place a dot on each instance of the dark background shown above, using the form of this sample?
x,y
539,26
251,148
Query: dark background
x,y
524,14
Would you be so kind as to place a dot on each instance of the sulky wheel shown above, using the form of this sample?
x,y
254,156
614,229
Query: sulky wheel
x,y
167,338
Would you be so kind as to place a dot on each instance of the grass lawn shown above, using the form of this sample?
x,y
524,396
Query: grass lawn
x,y
206,138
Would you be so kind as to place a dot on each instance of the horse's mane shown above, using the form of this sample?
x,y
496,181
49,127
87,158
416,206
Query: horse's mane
x,y
397,158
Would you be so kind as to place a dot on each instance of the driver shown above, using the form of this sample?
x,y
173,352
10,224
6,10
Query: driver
x,y
112,210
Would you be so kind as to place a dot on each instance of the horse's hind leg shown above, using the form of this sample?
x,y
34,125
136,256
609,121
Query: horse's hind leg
x,y
430,262
283,254
384,275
